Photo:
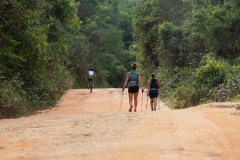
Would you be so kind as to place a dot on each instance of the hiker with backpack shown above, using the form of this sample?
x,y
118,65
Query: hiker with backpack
x,y
132,78
153,86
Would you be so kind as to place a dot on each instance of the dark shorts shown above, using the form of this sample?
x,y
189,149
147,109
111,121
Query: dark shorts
x,y
90,79
153,93
133,89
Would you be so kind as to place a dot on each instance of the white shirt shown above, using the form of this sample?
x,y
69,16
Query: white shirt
x,y
90,73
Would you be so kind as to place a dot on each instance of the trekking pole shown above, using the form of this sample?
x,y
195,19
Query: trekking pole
x,y
158,102
147,103
142,101
121,100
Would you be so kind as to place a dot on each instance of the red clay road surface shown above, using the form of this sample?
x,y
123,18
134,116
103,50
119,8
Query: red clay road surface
x,y
89,126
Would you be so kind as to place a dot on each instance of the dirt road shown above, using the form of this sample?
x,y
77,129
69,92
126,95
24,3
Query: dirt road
x,y
89,126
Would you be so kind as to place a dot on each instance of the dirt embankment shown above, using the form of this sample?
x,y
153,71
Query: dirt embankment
x,y
89,126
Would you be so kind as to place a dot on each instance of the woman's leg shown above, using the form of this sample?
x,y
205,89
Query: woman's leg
x,y
151,103
155,103
156,100
130,98
135,101
130,101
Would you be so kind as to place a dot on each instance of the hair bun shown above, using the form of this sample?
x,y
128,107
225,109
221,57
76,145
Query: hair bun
x,y
134,65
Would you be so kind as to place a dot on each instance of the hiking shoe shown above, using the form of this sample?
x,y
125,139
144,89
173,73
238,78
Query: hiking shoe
x,y
130,109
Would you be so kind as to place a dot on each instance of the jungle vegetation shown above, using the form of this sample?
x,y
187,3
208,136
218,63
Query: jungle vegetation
x,y
47,47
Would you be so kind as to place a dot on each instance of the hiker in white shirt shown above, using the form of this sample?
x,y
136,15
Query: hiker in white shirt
x,y
90,75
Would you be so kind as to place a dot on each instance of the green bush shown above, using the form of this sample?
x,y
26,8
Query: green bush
x,y
44,90
211,73
13,102
213,80
230,90
184,96
40,91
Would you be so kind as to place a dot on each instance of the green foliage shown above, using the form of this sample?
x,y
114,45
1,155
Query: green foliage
x,y
151,41
47,46
116,73
181,48
13,102
63,10
220,30
230,90
184,96
42,44
104,38
34,53
224,37
211,72
171,48
44,89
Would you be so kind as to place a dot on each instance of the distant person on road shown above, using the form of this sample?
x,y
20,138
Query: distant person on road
x,y
133,78
90,75
153,86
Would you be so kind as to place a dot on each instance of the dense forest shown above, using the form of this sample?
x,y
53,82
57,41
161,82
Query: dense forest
x,y
47,47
